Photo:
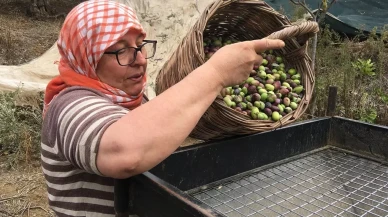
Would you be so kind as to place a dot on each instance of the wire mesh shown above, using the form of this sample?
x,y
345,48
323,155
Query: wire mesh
x,y
326,183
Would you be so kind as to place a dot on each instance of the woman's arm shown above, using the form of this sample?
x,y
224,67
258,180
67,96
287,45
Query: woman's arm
x,y
147,135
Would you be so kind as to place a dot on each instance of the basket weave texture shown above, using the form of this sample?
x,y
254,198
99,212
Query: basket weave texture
x,y
240,20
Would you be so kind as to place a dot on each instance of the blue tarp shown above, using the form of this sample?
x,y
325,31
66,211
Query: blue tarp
x,y
346,15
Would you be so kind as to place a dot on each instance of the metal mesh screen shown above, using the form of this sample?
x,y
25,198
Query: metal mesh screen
x,y
327,183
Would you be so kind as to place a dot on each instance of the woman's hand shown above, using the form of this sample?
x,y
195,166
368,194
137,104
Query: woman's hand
x,y
233,63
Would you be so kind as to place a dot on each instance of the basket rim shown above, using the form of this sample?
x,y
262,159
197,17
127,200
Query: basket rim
x,y
193,41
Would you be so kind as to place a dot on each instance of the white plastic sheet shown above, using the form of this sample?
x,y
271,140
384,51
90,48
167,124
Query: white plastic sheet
x,y
167,21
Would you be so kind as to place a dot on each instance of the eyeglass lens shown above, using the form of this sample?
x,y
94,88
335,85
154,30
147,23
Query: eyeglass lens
x,y
126,56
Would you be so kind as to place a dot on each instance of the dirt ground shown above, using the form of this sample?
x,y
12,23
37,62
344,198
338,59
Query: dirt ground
x,y
22,39
23,192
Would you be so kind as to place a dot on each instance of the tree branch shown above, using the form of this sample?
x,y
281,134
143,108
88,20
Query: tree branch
x,y
303,4
315,17
315,39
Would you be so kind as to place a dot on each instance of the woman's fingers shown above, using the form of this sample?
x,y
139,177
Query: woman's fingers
x,y
259,59
262,45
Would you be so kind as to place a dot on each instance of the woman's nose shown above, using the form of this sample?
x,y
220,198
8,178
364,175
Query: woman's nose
x,y
140,59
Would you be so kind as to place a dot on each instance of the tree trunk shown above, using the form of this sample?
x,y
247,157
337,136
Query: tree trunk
x,y
40,8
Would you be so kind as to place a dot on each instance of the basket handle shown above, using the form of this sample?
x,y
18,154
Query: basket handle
x,y
307,28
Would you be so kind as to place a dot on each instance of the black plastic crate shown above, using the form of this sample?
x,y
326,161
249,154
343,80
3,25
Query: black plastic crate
x,y
319,167
326,183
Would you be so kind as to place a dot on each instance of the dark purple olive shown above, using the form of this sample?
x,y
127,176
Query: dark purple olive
x,y
268,111
268,105
284,91
252,89
236,91
256,97
253,73
288,76
277,101
277,85
261,80
271,59
275,108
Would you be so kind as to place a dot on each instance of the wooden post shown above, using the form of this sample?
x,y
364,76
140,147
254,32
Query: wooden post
x,y
331,101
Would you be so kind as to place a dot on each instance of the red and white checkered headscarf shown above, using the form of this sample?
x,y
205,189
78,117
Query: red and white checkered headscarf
x,y
89,29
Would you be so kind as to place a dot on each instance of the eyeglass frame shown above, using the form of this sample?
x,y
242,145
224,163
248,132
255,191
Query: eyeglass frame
x,y
154,42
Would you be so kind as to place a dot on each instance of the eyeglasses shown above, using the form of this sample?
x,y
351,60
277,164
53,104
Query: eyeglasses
x,y
126,56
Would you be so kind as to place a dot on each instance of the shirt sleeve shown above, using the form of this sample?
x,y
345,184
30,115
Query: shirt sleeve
x,y
79,118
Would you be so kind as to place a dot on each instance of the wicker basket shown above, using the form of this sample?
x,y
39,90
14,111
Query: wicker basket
x,y
241,20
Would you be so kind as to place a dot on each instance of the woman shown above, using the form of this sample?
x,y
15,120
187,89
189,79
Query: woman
x,y
96,125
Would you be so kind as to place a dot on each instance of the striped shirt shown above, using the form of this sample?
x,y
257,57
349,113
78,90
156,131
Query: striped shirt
x,y
71,133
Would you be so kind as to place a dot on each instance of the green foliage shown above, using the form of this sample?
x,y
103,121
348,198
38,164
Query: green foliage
x,y
365,113
365,67
359,70
20,124
369,117
383,95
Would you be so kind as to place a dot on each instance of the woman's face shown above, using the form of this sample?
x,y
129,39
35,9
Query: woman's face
x,y
126,78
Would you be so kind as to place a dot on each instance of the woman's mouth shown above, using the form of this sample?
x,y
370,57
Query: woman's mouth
x,y
136,78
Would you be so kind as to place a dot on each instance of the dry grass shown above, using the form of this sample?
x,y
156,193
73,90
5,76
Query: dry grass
x,y
20,124
21,41
23,38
